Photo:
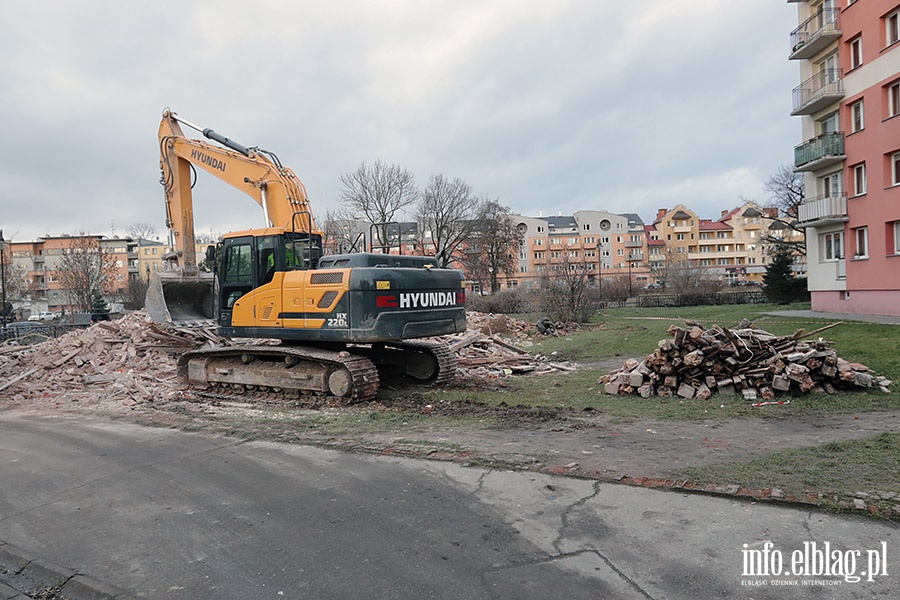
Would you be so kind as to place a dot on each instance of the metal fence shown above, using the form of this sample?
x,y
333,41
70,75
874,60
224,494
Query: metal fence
x,y
28,332
671,300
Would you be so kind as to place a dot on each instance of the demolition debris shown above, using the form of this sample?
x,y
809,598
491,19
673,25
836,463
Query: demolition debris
x,y
744,360
133,360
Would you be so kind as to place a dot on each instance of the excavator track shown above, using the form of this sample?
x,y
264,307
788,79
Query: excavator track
x,y
445,359
411,361
349,377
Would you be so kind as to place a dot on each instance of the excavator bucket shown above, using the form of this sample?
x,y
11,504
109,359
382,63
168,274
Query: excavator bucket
x,y
172,298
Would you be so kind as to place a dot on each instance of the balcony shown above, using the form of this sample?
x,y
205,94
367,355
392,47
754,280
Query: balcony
x,y
820,152
632,256
819,91
823,210
634,244
815,34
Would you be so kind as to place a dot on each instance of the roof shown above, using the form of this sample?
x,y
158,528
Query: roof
x,y
561,222
681,216
633,218
710,225
751,212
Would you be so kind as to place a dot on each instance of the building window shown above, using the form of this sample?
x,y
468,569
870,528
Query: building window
x,y
586,226
829,124
896,228
859,179
856,56
892,28
862,242
858,116
894,99
832,246
895,168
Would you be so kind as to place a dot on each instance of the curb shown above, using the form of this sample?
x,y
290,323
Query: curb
x,y
23,576
573,469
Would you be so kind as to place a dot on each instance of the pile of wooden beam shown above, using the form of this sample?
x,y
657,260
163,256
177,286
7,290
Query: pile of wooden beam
x,y
697,361
483,355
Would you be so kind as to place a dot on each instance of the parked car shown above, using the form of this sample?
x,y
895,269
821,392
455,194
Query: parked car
x,y
44,316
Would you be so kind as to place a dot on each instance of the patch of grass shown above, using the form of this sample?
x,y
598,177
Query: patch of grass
x,y
835,471
635,332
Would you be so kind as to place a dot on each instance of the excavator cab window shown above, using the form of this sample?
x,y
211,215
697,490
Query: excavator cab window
x,y
302,251
237,270
268,260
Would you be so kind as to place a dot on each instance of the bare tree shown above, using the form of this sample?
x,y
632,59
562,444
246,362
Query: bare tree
x,y
378,194
565,293
141,230
446,217
85,267
342,232
491,250
787,192
688,278
136,294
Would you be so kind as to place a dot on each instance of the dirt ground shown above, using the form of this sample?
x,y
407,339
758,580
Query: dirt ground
x,y
125,370
512,437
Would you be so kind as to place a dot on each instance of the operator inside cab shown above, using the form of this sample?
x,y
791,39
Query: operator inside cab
x,y
298,253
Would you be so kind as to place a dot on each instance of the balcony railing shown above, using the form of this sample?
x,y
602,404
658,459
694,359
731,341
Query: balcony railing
x,y
634,244
824,88
823,209
815,34
820,152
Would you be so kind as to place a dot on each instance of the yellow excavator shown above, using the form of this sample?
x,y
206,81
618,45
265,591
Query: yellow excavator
x,y
344,321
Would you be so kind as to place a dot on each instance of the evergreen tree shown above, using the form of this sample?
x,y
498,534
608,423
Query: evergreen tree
x,y
779,283
99,307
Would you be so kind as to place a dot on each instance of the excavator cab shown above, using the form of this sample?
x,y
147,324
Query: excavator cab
x,y
251,260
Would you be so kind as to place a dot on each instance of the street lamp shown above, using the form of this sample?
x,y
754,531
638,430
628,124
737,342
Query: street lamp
x,y
600,268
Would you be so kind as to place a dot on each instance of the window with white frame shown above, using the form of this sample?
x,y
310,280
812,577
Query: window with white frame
x,y
893,105
856,55
858,116
895,168
859,179
832,184
832,246
896,230
892,28
862,242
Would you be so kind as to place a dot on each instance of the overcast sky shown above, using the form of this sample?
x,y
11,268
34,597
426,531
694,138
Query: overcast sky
x,y
548,106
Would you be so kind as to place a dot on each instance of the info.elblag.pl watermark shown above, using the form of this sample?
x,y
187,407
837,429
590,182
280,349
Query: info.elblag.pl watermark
x,y
812,564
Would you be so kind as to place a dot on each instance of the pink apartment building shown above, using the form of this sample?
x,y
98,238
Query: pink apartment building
x,y
848,100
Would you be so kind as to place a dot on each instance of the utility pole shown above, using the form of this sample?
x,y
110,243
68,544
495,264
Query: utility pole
x,y
2,278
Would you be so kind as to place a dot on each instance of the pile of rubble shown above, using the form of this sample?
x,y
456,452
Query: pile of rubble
x,y
745,360
133,359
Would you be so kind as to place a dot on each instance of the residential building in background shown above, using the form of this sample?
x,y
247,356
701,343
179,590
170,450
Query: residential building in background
x,y
849,105
40,264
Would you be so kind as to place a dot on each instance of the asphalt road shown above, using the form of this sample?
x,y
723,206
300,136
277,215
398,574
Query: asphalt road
x,y
165,514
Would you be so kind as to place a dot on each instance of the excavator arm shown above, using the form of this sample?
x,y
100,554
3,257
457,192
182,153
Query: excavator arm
x,y
257,173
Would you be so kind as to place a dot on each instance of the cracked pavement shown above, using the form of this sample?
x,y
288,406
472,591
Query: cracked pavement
x,y
161,513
